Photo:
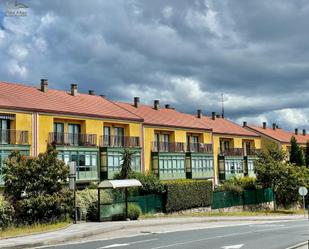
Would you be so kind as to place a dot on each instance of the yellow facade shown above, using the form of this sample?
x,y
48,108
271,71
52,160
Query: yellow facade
x,y
236,142
88,126
44,123
176,135
22,122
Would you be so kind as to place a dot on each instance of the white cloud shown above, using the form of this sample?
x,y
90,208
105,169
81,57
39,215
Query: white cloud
x,y
18,52
17,70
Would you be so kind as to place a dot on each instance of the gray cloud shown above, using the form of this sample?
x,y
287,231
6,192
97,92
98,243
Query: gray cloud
x,y
184,52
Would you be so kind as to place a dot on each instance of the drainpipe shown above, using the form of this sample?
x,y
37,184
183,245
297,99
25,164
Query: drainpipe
x,y
142,150
35,128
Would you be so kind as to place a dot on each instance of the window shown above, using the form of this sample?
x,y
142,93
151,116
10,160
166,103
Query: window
x,y
224,145
58,127
119,136
157,141
4,131
172,164
86,163
166,140
114,161
74,131
106,137
58,133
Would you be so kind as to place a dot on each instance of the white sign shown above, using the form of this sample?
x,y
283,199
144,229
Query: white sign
x,y
303,191
233,247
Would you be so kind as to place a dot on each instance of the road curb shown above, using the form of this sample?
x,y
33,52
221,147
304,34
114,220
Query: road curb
x,y
299,245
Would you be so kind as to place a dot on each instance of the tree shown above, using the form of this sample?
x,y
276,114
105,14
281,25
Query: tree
x,y
126,166
35,187
283,177
307,154
296,154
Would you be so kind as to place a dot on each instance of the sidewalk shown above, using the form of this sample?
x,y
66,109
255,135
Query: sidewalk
x,y
83,230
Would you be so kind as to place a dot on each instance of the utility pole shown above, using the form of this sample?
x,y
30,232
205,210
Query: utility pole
x,y
222,102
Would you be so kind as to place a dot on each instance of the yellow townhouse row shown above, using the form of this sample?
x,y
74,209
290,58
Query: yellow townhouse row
x,y
93,131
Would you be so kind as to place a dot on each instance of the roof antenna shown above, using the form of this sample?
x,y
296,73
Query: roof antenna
x,y
222,102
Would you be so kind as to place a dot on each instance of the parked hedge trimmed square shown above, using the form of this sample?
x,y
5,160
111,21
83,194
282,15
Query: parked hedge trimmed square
x,y
185,194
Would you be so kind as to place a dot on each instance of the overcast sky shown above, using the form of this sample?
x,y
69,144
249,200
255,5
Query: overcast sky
x,y
184,53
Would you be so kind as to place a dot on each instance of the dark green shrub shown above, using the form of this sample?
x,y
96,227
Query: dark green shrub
x,y
35,187
134,211
185,194
6,213
229,187
44,208
238,184
151,183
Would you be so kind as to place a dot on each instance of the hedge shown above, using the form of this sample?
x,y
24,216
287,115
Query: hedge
x,y
185,194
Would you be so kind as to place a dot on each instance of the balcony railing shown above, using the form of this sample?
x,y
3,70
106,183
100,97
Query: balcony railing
x,y
232,152
72,139
252,152
119,141
199,147
168,147
14,137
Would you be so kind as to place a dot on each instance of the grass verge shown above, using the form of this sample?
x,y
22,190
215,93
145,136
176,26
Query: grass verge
x,y
36,228
220,214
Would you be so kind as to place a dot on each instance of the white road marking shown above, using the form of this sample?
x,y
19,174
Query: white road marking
x,y
114,245
233,247
127,244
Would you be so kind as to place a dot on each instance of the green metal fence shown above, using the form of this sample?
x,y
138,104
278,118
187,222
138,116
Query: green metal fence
x,y
247,197
149,203
116,210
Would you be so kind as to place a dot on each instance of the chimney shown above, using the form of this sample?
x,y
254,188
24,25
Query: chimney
x,y
296,131
136,102
244,124
274,126
213,115
199,113
156,104
44,85
264,125
91,92
304,132
217,115
73,89
167,106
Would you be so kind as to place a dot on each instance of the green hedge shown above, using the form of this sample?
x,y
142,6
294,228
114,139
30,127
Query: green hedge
x,y
185,194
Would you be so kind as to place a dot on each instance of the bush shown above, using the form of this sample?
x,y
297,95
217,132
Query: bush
x,y
238,184
44,208
6,213
87,200
134,211
151,183
229,187
185,194
35,187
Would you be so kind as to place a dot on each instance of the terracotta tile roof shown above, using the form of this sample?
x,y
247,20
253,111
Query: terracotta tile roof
x,y
279,134
165,117
225,126
18,96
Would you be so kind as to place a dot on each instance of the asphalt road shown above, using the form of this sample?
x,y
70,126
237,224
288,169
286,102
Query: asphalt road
x,y
277,235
